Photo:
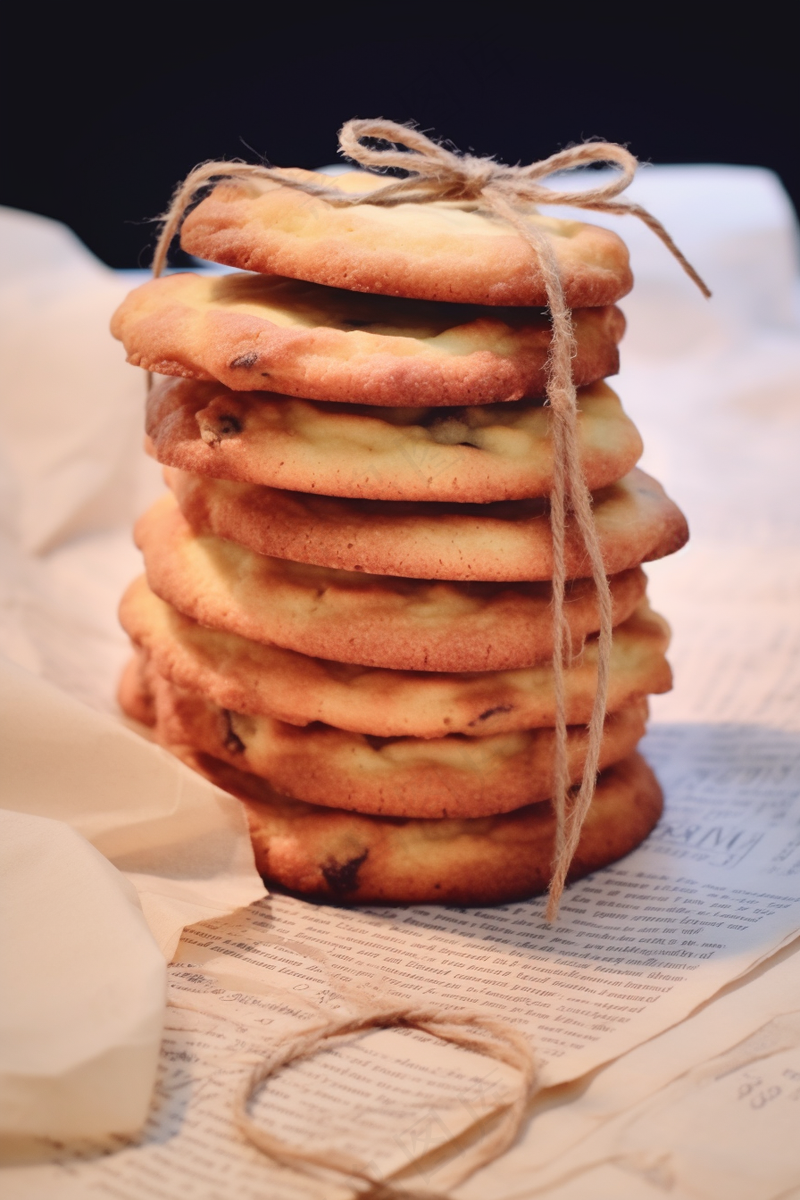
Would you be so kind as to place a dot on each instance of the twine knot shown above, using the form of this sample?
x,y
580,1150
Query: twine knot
x,y
454,176
475,174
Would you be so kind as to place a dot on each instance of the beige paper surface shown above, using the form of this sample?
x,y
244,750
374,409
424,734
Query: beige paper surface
x,y
83,988
72,478
640,945
80,961
71,444
745,1105
182,842
726,1130
576,1131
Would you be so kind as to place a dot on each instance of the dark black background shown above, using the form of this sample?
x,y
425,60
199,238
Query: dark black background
x,y
101,120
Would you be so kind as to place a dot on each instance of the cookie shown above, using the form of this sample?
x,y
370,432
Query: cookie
x,y
352,617
252,678
133,694
480,454
447,250
509,541
346,858
453,776
266,333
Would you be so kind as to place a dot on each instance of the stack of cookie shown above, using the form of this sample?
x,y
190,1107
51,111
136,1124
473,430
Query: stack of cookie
x,y
346,618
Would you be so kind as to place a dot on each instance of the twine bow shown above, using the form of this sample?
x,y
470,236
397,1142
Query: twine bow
x,y
510,193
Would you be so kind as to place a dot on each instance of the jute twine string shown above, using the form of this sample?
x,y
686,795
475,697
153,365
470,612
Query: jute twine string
x,y
477,1032
437,174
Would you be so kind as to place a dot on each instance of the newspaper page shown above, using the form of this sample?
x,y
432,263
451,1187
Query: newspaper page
x,y
744,1103
725,1130
639,946
580,1126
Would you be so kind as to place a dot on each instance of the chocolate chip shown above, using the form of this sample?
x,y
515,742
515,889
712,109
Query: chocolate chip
x,y
491,712
227,424
343,877
231,740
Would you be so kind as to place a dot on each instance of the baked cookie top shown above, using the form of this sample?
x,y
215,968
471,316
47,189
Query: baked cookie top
x,y
512,540
480,454
453,776
262,680
256,332
354,617
446,250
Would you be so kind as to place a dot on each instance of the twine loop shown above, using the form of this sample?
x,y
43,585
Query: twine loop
x,y
472,1031
370,1009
